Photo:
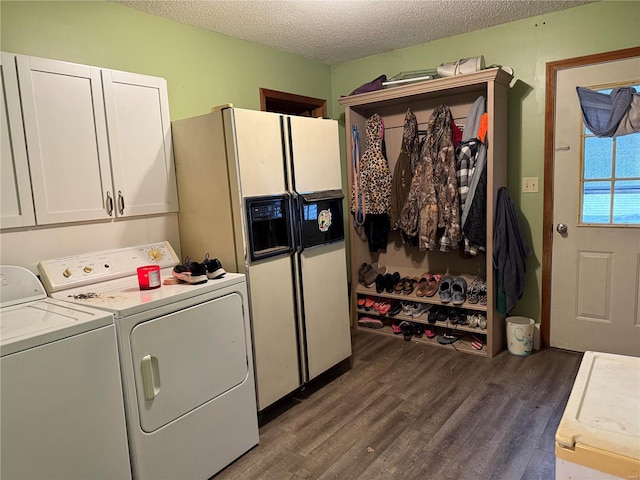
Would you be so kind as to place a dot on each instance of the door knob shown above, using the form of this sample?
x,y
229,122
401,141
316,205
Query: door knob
x,y
561,228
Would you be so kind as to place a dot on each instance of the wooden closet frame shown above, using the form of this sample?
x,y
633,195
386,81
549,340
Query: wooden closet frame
x,y
458,93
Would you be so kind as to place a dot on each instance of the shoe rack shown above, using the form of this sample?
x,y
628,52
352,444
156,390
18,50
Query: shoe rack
x,y
458,93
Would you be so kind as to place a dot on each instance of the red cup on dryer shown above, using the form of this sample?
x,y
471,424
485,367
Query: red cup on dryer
x,y
149,277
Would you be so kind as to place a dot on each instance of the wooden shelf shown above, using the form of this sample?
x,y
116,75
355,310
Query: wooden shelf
x,y
423,320
435,300
462,345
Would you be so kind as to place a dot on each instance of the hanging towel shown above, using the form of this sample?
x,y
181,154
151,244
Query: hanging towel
x,y
510,251
610,114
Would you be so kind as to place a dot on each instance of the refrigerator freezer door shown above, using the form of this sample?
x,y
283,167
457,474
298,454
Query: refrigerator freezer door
x,y
315,153
257,151
275,350
326,306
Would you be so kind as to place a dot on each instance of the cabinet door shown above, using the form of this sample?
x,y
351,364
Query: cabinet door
x,y
137,110
67,140
16,204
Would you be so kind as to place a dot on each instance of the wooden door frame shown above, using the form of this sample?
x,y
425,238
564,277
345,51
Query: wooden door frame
x,y
549,154
293,104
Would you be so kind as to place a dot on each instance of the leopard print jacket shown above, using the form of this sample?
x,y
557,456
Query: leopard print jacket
x,y
375,175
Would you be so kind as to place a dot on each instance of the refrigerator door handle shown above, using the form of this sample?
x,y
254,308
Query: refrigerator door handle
x,y
296,222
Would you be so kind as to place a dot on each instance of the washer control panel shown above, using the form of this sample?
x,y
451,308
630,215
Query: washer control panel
x,y
78,270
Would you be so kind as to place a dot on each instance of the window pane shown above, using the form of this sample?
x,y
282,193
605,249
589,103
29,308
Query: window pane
x,y
626,202
628,156
598,153
596,202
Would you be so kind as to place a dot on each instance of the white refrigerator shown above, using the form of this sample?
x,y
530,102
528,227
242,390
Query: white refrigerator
x,y
262,192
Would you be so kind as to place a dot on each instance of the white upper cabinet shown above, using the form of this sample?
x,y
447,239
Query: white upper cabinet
x,y
16,204
66,134
139,128
99,142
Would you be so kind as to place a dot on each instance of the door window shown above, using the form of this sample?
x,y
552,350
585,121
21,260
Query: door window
x,y
610,186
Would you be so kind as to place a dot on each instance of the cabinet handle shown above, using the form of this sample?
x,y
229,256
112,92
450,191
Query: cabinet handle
x,y
109,204
120,202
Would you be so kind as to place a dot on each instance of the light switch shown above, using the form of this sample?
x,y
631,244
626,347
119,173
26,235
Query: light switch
x,y
529,184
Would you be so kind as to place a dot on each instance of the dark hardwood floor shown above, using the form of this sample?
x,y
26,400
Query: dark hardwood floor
x,y
412,411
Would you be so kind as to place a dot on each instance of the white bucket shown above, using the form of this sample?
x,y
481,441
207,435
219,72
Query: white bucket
x,y
520,335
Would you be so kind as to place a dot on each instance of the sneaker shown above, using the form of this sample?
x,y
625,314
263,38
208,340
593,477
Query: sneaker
x,y
407,330
190,272
214,267
369,322
418,330
396,308
419,309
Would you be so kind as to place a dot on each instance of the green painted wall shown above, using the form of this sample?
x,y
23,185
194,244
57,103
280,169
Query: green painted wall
x,y
526,46
205,69
202,68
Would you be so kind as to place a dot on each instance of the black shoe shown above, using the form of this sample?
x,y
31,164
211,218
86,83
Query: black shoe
x,y
418,330
390,282
407,330
190,272
214,267
433,315
396,308
380,282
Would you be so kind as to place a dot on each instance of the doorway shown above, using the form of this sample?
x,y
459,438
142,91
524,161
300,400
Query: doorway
x,y
292,104
590,273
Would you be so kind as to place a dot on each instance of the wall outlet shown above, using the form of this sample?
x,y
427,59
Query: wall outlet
x,y
529,184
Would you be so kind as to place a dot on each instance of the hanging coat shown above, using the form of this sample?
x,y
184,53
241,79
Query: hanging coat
x,y
375,176
510,251
401,181
432,202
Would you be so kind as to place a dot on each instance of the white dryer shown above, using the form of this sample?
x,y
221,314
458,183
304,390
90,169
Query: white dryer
x,y
185,353
61,407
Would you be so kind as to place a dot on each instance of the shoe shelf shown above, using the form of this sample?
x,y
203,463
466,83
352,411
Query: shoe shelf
x,y
461,345
422,320
412,297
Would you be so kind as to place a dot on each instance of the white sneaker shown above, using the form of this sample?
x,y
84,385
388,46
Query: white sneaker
x,y
419,309
462,66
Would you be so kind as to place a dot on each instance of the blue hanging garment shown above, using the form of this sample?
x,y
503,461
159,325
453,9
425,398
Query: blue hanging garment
x,y
610,115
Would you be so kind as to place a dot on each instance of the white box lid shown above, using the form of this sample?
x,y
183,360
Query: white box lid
x,y
603,411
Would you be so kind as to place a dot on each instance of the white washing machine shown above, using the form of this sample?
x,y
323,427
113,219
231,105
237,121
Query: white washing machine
x,y
185,354
61,407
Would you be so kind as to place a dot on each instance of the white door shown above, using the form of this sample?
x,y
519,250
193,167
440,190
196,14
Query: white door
x,y
595,291
315,154
66,135
16,204
139,128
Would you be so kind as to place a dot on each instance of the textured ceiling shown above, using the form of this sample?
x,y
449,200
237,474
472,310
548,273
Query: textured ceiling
x,y
336,31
